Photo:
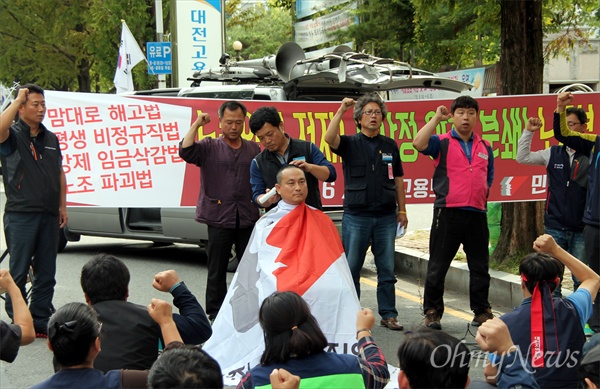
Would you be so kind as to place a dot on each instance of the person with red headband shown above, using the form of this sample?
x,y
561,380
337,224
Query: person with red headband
x,y
548,331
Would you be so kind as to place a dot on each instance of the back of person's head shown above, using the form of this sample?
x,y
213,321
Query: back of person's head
x,y
105,278
289,328
540,267
434,359
32,88
185,366
589,368
371,97
464,102
580,113
72,331
264,115
231,105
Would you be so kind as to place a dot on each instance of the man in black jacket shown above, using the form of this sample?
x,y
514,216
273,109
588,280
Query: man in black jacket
x,y
130,337
36,199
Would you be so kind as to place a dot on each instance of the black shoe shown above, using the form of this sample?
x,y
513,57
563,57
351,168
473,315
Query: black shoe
x,y
432,319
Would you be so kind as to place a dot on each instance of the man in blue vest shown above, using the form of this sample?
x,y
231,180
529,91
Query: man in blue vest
x,y
547,330
587,143
280,150
567,185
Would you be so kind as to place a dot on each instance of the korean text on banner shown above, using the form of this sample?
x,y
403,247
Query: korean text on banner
x,y
130,55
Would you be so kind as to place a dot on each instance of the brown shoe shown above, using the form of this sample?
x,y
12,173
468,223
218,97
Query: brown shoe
x,y
392,324
432,319
482,317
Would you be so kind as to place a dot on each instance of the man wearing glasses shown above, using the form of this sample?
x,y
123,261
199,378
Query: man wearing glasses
x,y
567,185
374,201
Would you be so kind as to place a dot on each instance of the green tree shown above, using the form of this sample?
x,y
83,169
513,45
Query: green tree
x,y
68,45
388,33
261,32
451,35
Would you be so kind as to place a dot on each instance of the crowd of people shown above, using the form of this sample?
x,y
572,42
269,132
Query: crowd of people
x,y
111,342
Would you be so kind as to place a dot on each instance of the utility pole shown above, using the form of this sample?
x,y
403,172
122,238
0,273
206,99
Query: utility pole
x,y
162,79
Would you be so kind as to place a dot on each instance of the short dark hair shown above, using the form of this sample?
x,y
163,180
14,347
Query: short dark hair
x,y
279,175
434,359
538,267
231,105
464,102
289,328
105,278
185,366
371,97
33,88
264,115
589,367
72,330
580,113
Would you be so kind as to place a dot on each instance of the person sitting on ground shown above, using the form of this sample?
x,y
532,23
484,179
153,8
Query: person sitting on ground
x,y
132,337
185,366
21,332
294,341
431,358
74,338
533,325
494,336
589,369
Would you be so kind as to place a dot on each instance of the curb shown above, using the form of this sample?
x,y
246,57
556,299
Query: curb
x,y
505,288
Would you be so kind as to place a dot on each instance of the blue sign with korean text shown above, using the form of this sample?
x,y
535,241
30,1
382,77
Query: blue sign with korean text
x,y
159,57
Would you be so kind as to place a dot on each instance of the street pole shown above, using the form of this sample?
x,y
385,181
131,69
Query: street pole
x,y
223,37
162,79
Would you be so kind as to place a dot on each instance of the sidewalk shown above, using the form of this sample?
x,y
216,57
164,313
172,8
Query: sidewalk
x,y
411,260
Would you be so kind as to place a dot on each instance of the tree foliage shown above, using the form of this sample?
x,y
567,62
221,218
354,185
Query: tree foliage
x,y
262,30
385,34
71,44
451,35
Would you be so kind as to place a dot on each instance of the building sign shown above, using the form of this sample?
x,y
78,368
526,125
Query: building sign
x,y
198,37
321,30
310,7
159,57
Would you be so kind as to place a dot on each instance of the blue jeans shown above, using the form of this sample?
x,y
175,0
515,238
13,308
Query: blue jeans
x,y
380,231
573,243
32,240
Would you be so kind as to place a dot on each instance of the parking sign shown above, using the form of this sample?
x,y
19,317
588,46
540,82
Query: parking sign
x,y
159,57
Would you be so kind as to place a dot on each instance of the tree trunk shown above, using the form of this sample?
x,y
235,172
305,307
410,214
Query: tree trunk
x,y
521,72
83,76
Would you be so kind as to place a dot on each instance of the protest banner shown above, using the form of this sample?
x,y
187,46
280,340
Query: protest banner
x,y
121,151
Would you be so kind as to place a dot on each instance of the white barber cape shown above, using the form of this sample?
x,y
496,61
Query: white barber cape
x,y
292,248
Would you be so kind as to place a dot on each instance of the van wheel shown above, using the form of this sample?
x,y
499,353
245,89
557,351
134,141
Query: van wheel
x,y
233,261
62,240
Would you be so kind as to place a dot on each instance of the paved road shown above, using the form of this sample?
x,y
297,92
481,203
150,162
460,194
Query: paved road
x,y
144,260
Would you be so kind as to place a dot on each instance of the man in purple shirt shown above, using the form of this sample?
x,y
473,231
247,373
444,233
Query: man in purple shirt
x,y
225,200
